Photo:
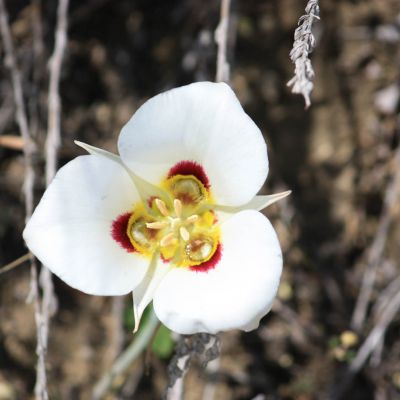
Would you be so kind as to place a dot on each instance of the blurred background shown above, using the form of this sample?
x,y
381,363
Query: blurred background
x,y
339,229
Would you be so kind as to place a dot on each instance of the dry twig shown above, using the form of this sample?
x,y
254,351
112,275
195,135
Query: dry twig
x,y
201,345
221,38
210,388
304,43
22,120
16,263
379,307
376,333
29,180
372,341
12,142
54,110
48,305
375,251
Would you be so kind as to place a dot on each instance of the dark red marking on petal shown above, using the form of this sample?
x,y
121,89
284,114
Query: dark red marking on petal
x,y
211,263
164,260
190,168
118,232
186,198
150,201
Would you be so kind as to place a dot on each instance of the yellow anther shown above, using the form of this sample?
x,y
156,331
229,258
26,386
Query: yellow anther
x,y
157,225
178,207
167,239
193,218
162,207
185,235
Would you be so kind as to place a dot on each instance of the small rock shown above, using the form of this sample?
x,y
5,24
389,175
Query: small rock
x,y
386,100
6,391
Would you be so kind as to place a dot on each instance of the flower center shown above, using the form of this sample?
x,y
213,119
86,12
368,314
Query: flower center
x,y
180,226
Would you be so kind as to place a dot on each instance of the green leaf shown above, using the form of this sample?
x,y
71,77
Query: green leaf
x,y
129,319
163,345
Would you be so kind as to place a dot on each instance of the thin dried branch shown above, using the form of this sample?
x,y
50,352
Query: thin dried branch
x,y
210,387
49,303
221,38
379,307
177,370
29,180
204,346
375,251
16,263
41,347
304,43
21,116
54,109
12,142
384,298
372,341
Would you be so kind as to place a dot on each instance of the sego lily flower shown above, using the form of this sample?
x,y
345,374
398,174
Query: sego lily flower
x,y
175,218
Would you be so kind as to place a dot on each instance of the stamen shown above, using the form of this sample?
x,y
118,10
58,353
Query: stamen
x,y
175,222
185,235
162,207
178,207
167,239
157,225
193,218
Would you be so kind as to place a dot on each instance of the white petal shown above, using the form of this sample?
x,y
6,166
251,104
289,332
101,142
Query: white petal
x,y
202,122
237,293
70,230
257,203
97,151
143,294
145,189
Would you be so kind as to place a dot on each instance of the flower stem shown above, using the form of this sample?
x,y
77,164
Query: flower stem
x,y
129,355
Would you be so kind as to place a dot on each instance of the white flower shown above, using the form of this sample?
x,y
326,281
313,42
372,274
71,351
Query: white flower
x,y
174,218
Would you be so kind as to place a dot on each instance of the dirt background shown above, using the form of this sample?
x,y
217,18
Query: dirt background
x,y
337,158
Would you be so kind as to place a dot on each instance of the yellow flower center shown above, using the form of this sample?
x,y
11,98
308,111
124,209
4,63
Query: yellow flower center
x,y
181,226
